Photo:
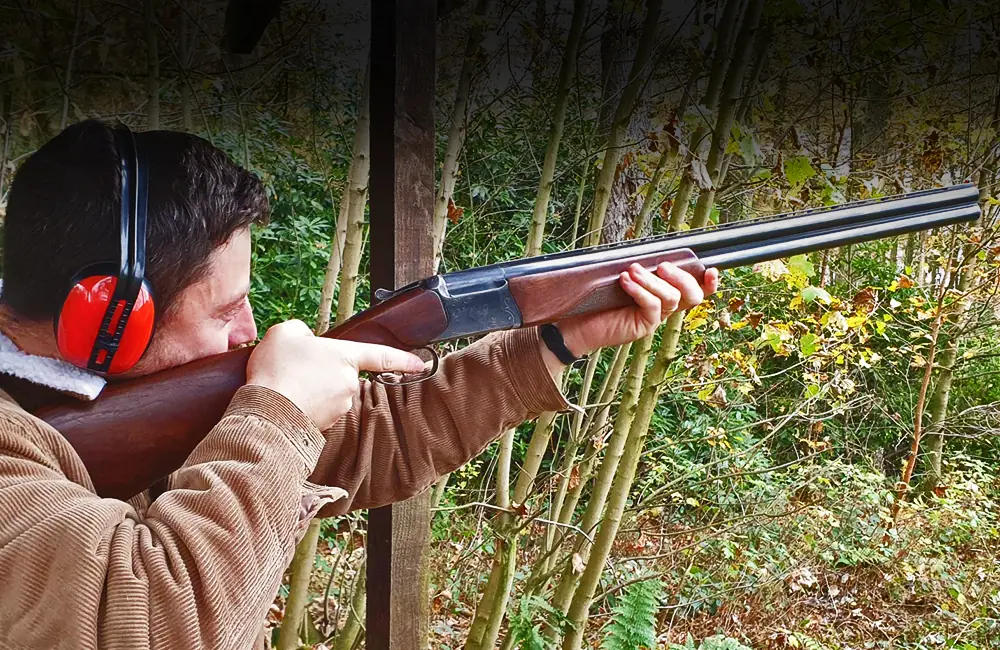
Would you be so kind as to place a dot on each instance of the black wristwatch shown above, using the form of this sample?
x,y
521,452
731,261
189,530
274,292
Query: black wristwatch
x,y
553,340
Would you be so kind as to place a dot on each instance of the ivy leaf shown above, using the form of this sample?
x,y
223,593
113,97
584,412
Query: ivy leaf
x,y
812,294
798,170
807,344
801,264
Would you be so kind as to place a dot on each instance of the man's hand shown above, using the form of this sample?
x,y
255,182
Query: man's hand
x,y
657,296
320,375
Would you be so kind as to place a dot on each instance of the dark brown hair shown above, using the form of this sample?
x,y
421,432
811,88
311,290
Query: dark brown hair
x,y
63,207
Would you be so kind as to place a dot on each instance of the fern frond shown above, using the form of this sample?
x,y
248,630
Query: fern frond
x,y
633,621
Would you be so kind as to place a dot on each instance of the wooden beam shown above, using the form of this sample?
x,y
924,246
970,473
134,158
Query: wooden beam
x,y
401,212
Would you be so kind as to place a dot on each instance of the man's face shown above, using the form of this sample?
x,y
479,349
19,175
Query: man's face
x,y
210,316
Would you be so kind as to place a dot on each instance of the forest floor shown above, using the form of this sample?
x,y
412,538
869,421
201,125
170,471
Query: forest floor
x,y
792,582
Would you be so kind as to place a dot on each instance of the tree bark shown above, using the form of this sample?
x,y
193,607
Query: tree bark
x,y
152,65
609,466
352,627
68,79
356,191
937,406
720,64
731,94
567,71
620,123
456,129
298,590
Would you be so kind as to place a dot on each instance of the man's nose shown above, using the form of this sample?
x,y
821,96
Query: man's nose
x,y
244,329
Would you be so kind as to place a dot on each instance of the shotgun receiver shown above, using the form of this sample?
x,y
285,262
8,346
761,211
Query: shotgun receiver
x,y
137,432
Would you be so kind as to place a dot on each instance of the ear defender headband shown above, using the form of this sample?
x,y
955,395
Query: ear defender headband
x,y
106,321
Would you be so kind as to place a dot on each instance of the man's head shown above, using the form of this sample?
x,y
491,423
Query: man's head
x,y
62,215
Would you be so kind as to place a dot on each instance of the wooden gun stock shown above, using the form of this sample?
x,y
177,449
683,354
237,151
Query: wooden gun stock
x,y
139,431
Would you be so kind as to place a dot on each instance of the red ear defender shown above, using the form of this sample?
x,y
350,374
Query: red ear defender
x,y
80,319
106,321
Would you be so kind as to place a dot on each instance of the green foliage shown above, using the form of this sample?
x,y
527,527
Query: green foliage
x,y
717,642
633,622
525,627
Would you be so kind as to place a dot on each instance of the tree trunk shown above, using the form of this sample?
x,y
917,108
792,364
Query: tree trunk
x,y
298,590
937,406
567,72
456,130
638,424
68,79
731,94
720,64
622,485
186,57
356,190
620,123
356,199
152,65
619,43
609,466
353,247
6,105
352,628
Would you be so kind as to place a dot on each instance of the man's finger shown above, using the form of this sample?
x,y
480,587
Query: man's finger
x,y
691,292
711,281
670,296
382,358
649,304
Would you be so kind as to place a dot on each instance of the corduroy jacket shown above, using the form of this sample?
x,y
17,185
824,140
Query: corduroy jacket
x,y
200,565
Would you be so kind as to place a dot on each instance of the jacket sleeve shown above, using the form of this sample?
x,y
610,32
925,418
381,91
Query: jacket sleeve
x,y
398,440
198,569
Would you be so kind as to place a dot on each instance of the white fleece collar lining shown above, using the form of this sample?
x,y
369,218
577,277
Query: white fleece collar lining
x,y
46,371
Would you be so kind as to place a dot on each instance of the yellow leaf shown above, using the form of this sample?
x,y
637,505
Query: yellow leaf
x,y
856,321
771,270
738,325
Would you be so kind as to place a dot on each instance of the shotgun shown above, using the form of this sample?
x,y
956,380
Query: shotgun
x,y
139,431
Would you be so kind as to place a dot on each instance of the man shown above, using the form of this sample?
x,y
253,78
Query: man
x,y
198,565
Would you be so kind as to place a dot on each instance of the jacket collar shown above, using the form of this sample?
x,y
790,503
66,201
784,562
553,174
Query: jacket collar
x,y
48,372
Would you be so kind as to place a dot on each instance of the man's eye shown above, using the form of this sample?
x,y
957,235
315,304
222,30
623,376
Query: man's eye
x,y
231,314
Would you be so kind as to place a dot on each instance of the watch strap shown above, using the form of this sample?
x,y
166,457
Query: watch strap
x,y
553,340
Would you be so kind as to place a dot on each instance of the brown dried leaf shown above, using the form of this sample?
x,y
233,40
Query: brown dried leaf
x,y
865,300
574,477
454,212
718,398
736,304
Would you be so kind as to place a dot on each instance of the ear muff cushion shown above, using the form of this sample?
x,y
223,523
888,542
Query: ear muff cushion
x,y
81,315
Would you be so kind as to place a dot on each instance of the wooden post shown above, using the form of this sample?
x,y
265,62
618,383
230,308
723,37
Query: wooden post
x,y
402,204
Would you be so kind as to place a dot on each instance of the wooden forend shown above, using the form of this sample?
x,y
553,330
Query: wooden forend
x,y
545,297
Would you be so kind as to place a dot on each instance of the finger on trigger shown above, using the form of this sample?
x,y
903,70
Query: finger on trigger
x,y
383,358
